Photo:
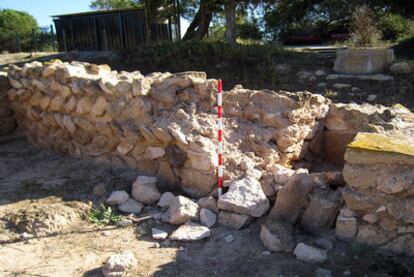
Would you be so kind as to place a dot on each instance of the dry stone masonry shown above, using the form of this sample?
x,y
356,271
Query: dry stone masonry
x,y
278,147
161,124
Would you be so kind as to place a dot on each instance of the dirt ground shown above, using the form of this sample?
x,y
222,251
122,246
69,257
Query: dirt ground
x,y
42,184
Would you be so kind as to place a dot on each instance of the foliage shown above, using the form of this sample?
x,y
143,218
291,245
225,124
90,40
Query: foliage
x,y
112,4
364,28
14,22
395,26
104,216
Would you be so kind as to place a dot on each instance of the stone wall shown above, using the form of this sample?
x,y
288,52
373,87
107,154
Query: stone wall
x,y
7,122
162,124
379,197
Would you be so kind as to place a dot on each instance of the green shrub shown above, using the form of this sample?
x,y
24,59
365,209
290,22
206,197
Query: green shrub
x,y
104,216
394,26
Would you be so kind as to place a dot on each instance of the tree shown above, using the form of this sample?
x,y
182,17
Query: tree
x,y
13,23
230,10
112,4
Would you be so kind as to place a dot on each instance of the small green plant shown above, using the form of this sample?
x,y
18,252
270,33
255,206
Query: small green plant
x,y
104,216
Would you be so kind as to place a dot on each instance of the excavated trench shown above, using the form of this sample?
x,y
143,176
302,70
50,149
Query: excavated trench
x,y
322,166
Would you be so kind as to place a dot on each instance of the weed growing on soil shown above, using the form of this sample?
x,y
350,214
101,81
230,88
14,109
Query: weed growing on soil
x,y
104,216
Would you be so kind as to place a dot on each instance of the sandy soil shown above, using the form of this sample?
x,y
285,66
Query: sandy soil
x,y
38,180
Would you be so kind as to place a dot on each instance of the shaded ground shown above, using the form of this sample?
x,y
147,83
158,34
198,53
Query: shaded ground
x,y
31,178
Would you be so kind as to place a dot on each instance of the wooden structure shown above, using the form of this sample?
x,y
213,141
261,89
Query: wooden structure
x,y
112,30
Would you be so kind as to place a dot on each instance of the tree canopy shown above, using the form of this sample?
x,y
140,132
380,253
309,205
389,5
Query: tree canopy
x,y
16,23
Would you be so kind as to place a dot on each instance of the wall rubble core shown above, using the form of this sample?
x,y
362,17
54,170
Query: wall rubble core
x,y
162,124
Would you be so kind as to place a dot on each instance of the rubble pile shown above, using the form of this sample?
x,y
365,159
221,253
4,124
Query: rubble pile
x,y
294,158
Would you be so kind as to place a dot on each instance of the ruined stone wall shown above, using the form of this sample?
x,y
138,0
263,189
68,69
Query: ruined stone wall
x,y
162,124
7,122
379,171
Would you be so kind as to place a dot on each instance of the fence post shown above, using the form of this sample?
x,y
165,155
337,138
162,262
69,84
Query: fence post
x,y
18,46
34,44
53,38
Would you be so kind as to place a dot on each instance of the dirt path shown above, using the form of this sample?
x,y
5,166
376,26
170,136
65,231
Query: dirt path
x,y
34,181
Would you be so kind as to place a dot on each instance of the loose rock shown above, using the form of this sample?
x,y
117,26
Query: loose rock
x,y
159,234
234,220
309,254
181,210
190,232
130,206
165,200
117,265
207,217
145,191
117,197
277,236
245,197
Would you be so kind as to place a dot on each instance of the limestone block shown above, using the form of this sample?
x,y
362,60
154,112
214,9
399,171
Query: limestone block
x,y
363,61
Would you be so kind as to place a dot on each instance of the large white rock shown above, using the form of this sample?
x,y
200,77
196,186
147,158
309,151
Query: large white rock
x,y
246,197
309,254
131,206
181,210
145,191
165,200
117,265
190,232
207,217
117,197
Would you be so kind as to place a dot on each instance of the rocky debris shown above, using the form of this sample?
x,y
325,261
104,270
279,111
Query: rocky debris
x,y
321,272
277,236
346,228
246,197
281,173
131,206
181,210
159,234
292,198
119,264
234,220
165,199
190,232
207,217
144,190
208,203
117,197
229,238
325,242
309,254
322,210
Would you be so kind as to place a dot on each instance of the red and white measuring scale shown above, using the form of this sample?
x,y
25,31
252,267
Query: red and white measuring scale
x,y
220,137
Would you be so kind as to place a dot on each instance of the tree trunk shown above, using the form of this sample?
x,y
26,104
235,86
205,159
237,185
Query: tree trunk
x,y
230,10
198,28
